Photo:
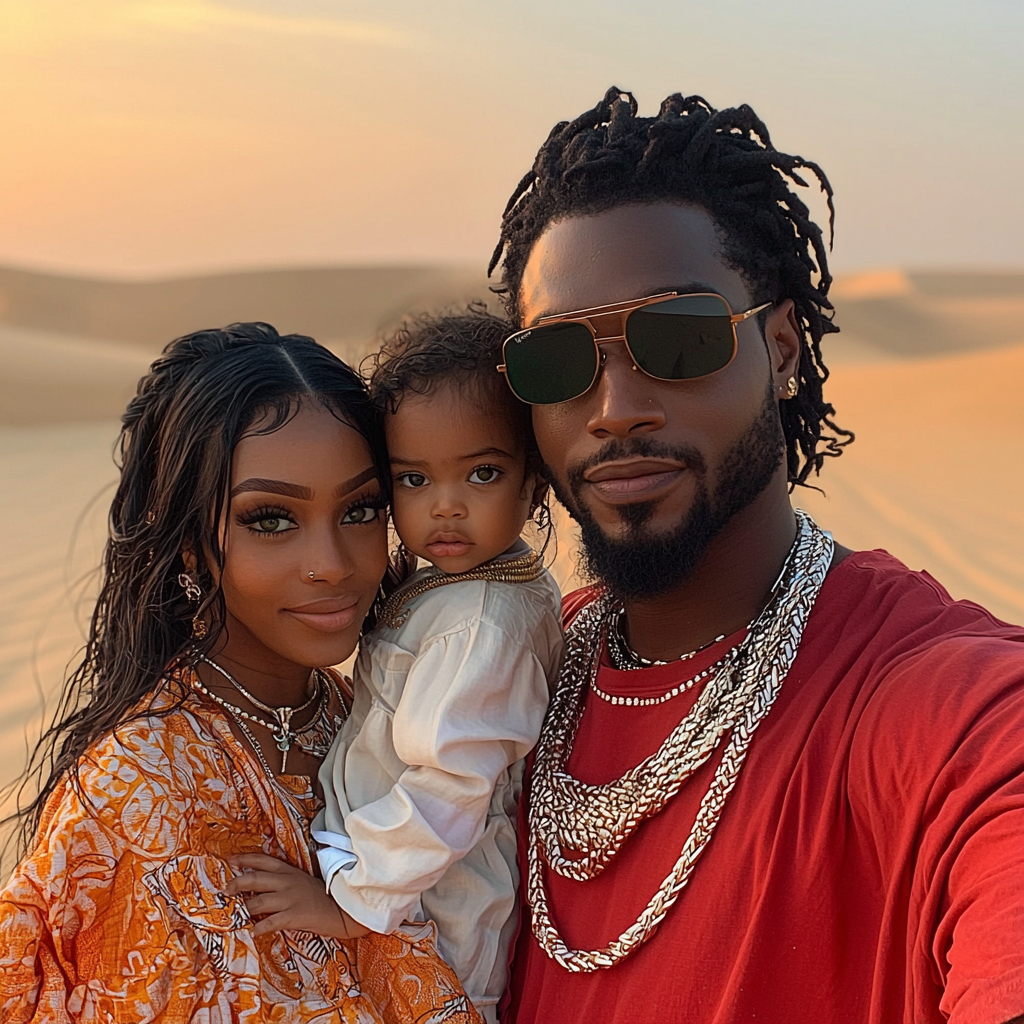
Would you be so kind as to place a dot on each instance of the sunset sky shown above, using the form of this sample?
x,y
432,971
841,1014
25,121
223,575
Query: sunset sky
x,y
142,137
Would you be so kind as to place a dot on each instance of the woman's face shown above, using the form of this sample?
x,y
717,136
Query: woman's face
x,y
304,500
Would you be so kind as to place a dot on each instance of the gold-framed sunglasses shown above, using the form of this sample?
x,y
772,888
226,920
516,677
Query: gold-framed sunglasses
x,y
668,336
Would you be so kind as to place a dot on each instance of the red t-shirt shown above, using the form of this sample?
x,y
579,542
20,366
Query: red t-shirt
x,y
868,866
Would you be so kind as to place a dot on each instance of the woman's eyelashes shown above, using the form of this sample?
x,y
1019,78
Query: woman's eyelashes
x,y
366,510
269,521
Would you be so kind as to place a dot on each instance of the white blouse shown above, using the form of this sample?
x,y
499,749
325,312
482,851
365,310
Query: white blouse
x,y
422,783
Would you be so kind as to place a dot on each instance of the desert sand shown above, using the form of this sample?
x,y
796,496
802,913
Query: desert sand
x,y
928,372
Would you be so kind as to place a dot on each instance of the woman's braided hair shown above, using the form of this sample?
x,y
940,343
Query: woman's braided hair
x,y
205,392
724,162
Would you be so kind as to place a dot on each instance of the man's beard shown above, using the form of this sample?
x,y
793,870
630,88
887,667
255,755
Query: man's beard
x,y
641,564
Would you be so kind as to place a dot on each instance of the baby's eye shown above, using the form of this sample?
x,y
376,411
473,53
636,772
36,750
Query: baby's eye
x,y
361,514
484,475
273,524
412,479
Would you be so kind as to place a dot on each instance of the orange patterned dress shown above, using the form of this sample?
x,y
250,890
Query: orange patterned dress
x,y
118,913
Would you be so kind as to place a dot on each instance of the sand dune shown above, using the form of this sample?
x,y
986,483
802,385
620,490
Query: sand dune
x,y
54,378
923,314
56,482
928,371
337,305
934,475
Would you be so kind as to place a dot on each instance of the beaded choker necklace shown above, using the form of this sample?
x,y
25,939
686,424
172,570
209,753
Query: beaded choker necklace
x,y
522,569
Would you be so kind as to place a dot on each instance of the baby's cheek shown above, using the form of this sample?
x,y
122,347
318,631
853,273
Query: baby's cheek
x,y
411,518
402,509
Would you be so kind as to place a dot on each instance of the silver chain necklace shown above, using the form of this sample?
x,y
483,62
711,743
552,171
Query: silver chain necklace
x,y
281,730
593,822
625,659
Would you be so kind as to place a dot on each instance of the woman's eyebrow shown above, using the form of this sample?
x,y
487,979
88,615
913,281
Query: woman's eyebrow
x,y
256,483
368,474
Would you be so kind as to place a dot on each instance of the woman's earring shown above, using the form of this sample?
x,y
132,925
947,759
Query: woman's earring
x,y
189,585
792,387
194,595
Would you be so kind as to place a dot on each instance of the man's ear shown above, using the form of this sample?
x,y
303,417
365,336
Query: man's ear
x,y
782,336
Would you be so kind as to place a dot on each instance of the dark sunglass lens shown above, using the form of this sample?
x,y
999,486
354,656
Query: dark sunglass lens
x,y
551,364
681,338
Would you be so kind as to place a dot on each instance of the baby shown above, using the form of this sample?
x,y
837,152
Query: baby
x,y
451,686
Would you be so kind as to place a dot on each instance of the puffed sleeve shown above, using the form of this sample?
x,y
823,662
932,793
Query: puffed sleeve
x,y
52,901
472,706
111,908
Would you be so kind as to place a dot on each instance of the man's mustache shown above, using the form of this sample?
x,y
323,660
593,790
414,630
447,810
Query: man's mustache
x,y
634,448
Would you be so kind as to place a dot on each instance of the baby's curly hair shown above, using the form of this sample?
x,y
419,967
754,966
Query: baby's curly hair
x,y
460,350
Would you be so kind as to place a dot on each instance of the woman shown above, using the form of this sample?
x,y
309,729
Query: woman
x,y
248,542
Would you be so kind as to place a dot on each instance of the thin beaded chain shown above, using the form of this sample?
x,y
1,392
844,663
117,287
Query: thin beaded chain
x,y
646,702
272,727
625,659
256,702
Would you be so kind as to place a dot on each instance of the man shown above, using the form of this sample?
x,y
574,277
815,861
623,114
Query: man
x,y
780,781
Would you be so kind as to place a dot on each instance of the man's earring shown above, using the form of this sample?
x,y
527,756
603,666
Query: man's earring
x,y
792,387
194,595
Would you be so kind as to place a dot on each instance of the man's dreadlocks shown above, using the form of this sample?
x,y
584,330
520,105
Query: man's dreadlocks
x,y
724,162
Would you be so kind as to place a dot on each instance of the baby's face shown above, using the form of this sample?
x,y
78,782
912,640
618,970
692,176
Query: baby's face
x,y
461,493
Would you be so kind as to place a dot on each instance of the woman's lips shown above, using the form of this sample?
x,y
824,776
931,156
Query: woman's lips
x,y
328,615
633,480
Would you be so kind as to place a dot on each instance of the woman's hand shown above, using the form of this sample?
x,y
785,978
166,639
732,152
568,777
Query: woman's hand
x,y
288,898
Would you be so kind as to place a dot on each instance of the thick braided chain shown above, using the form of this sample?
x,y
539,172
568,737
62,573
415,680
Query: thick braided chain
x,y
595,821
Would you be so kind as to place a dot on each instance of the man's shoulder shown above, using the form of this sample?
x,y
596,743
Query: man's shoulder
x,y
910,641
873,590
926,690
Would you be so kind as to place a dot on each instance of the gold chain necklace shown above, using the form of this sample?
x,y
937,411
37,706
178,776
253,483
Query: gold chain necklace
x,y
595,821
522,569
